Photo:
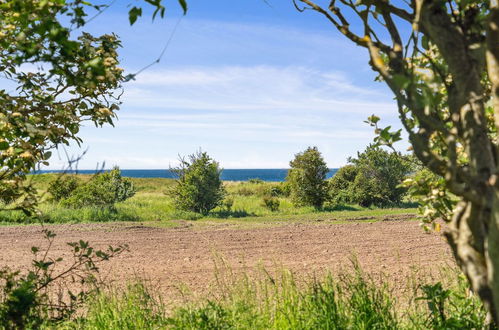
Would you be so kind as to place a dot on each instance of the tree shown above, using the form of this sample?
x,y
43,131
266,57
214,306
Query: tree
x,y
58,79
307,178
379,175
198,186
441,61
373,178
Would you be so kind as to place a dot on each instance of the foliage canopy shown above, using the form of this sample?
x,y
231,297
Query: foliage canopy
x,y
307,178
199,187
103,190
58,78
373,178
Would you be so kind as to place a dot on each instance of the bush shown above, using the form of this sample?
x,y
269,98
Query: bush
x,y
199,187
271,203
307,178
379,177
340,185
63,187
256,181
373,178
103,190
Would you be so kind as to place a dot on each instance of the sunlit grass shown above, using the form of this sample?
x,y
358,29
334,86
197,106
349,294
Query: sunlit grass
x,y
152,204
279,299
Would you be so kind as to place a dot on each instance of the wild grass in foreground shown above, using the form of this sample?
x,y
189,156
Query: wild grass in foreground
x,y
349,301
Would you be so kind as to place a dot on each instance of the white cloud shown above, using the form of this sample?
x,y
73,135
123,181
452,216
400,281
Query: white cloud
x,y
253,88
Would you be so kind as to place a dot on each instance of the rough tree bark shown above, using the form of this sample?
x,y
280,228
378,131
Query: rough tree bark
x,y
455,45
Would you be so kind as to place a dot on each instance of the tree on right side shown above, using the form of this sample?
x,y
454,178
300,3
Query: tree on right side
x,y
441,61
307,178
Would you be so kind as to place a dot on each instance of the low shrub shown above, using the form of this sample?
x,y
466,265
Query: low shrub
x,y
63,187
271,203
103,190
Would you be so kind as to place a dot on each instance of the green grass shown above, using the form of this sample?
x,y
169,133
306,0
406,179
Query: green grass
x,y
152,204
351,300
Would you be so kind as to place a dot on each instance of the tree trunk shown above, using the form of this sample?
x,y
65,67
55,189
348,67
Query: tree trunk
x,y
474,239
492,255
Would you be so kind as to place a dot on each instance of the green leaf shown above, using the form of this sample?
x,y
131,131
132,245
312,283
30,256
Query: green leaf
x,y
373,119
183,4
385,133
401,81
4,145
133,14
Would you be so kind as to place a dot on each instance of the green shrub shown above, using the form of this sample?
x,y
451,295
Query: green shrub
x,y
256,181
373,178
340,185
307,178
199,187
62,187
271,203
277,190
379,177
103,190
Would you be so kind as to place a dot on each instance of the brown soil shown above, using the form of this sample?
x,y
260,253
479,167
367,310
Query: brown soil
x,y
171,256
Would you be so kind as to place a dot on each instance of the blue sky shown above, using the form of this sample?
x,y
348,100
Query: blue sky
x,y
250,83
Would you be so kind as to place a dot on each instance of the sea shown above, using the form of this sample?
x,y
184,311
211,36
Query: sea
x,y
270,174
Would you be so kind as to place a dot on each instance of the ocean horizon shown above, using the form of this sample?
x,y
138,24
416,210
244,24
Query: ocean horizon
x,y
270,174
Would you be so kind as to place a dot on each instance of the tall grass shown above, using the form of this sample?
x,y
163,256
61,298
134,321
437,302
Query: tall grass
x,y
350,301
135,307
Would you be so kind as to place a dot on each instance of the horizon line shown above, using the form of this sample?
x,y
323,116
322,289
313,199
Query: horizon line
x,y
166,169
